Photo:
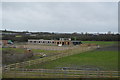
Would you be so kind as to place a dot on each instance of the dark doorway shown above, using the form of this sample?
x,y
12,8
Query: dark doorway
x,y
68,43
57,42
62,43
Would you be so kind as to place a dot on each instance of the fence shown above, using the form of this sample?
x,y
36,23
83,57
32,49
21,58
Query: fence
x,y
65,73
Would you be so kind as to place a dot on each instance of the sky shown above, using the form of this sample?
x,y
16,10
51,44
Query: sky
x,y
63,17
60,0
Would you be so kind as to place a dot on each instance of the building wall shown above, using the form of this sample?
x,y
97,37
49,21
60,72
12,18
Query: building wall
x,y
41,41
62,42
54,42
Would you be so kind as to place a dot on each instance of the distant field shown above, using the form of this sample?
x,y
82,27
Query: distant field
x,y
101,42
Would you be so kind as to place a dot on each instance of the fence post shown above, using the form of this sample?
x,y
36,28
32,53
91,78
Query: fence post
x,y
111,74
98,74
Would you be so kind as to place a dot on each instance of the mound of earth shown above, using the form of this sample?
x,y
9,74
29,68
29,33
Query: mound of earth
x,y
11,56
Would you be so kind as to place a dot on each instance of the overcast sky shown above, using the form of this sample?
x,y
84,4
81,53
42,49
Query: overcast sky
x,y
60,16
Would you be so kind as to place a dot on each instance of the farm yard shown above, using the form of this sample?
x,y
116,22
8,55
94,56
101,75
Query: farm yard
x,y
72,61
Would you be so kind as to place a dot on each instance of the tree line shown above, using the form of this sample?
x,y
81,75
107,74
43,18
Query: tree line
x,y
23,37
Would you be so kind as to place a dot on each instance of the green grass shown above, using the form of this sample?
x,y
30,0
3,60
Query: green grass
x,y
101,42
105,60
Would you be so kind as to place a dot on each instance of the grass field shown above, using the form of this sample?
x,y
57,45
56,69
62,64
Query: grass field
x,y
101,59
105,60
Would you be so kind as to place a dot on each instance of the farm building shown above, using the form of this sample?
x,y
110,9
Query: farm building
x,y
61,41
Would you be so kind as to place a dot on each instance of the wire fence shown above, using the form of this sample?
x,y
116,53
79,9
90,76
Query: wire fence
x,y
58,73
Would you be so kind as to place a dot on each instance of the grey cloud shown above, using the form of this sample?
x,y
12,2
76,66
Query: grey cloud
x,y
60,17
60,0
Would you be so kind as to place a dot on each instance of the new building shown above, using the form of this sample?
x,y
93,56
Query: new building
x,y
61,41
